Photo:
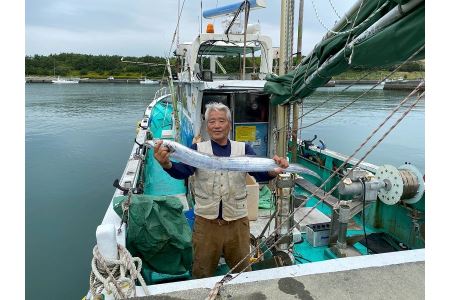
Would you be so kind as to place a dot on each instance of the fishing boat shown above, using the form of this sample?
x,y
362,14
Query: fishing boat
x,y
357,232
64,81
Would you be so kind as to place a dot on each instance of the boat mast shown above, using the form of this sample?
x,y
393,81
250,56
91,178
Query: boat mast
x,y
178,27
286,45
295,107
246,12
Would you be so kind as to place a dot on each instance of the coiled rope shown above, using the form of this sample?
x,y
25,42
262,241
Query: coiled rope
x,y
116,276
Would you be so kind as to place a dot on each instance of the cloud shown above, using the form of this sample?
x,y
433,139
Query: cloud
x,y
143,27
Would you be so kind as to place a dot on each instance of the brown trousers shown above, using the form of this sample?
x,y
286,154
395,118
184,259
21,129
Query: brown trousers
x,y
213,238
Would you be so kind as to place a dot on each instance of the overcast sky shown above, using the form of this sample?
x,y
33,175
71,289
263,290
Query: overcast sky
x,y
145,27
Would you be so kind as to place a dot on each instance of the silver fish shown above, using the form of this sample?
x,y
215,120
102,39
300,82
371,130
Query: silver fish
x,y
200,160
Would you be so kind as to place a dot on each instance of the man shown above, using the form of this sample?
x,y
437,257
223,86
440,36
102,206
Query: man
x,y
221,223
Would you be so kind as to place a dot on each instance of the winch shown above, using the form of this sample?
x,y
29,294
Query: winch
x,y
390,184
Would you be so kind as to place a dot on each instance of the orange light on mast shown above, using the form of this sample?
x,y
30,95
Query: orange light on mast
x,y
209,28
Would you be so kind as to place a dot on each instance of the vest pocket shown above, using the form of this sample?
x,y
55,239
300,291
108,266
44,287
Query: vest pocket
x,y
241,201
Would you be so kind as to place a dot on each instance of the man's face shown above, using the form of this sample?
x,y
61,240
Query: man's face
x,y
218,126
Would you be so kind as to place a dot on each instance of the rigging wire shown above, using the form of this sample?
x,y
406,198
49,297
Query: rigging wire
x,y
310,59
334,96
229,277
335,11
176,28
350,30
357,98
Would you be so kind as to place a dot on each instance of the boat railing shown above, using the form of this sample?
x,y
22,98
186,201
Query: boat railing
x,y
162,91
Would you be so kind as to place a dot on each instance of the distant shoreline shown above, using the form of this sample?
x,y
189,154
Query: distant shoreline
x,y
391,85
48,79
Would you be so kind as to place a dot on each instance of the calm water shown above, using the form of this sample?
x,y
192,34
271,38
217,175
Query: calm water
x,y
78,139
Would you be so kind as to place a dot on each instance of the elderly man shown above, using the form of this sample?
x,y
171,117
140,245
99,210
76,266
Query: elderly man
x,y
221,223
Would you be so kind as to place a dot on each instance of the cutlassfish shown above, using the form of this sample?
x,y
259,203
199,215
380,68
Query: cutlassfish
x,y
200,160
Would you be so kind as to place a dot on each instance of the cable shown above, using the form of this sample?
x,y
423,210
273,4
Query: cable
x,y
353,28
332,97
335,11
357,98
177,27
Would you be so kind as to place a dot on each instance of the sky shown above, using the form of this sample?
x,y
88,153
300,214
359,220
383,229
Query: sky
x,y
146,27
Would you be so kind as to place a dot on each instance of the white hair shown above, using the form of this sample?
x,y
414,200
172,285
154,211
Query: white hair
x,y
216,106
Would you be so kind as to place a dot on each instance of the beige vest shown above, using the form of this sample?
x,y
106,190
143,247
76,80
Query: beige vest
x,y
211,187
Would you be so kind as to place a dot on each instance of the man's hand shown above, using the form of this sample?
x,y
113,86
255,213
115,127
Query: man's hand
x,y
282,164
161,154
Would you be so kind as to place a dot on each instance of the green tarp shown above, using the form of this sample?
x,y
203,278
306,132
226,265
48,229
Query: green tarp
x,y
158,181
404,38
158,232
334,55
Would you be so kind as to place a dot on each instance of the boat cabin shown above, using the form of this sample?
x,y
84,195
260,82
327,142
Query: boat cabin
x,y
212,71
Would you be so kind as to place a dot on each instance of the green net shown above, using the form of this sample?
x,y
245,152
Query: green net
x,y
264,197
158,232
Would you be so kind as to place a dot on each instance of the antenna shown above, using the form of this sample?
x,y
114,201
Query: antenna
x,y
201,19
178,27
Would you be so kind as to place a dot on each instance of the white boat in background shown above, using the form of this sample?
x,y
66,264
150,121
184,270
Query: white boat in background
x,y
148,81
64,81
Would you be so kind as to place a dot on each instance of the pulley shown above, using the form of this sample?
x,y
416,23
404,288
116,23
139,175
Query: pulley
x,y
402,183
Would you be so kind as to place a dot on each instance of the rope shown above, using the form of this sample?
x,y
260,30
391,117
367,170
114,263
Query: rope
x,y
177,27
357,98
116,276
333,97
351,29
307,68
227,278
335,11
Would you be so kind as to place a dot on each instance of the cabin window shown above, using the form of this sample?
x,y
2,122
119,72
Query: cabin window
x,y
220,98
251,108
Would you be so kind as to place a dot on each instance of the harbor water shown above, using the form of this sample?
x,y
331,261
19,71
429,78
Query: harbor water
x,y
79,137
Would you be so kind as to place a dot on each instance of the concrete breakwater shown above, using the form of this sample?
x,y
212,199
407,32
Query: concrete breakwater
x,y
388,85
404,85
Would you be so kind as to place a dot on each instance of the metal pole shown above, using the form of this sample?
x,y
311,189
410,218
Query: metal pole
x,y
245,37
178,27
299,60
201,17
286,30
300,31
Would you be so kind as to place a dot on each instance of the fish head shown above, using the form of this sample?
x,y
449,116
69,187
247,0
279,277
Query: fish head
x,y
169,145
165,143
